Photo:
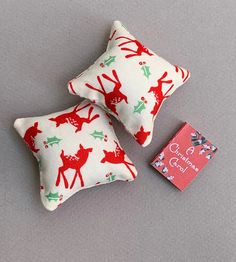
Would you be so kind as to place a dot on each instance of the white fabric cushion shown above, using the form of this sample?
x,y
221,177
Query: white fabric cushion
x,y
129,81
76,149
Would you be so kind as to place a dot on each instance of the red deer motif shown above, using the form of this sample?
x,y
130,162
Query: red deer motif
x,y
74,119
71,87
157,91
112,35
117,157
30,135
179,69
142,135
73,162
111,98
140,47
109,117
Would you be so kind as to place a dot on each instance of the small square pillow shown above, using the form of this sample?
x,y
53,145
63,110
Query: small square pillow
x,y
130,82
76,149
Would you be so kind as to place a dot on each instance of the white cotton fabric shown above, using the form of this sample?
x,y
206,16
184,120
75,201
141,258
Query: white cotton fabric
x,y
67,138
127,61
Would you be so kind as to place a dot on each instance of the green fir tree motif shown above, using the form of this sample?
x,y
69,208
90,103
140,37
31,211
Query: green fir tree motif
x,y
110,177
97,134
145,69
53,196
109,60
51,141
140,106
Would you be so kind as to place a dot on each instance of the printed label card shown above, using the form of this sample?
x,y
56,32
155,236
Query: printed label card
x,y
184,156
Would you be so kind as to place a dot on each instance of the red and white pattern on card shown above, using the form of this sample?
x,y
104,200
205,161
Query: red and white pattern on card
x,y
185,155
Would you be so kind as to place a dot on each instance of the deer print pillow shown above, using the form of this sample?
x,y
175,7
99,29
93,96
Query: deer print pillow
x,y
76,149
130,82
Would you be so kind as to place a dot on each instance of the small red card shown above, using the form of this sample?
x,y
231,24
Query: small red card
x,y
184,156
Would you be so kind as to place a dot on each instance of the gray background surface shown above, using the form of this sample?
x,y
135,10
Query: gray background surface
x,y
43,44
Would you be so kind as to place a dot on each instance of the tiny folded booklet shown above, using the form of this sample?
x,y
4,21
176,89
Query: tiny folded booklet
x,y
185,155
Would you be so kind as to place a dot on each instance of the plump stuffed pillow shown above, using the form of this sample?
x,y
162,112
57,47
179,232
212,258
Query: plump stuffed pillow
x,y
76,149
130,82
